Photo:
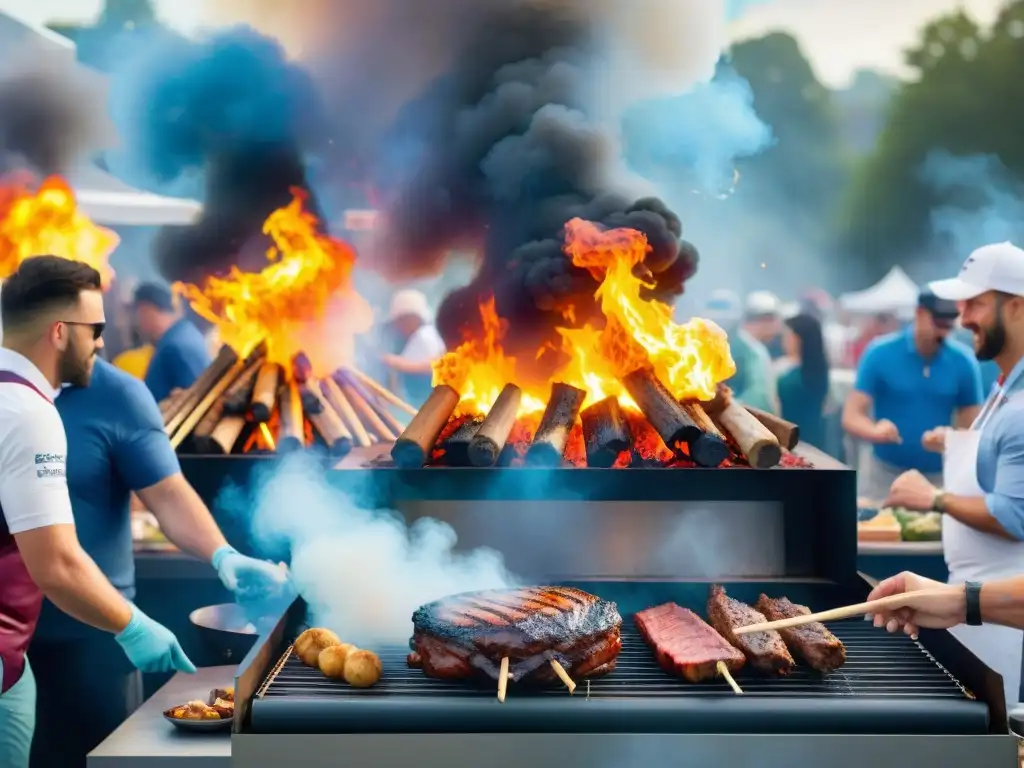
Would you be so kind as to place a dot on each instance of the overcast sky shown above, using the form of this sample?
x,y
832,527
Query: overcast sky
x,y
839,36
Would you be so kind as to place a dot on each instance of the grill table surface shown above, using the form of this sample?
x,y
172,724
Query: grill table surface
x,y
889,684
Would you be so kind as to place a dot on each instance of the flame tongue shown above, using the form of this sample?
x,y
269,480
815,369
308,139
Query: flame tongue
x,y
48,221
691,359
288,303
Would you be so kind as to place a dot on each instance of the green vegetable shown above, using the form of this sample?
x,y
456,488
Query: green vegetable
x,y
927,527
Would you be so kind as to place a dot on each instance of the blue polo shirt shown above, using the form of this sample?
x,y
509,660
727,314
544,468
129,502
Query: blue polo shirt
x,y
178,359
116,445
1001,458
917,394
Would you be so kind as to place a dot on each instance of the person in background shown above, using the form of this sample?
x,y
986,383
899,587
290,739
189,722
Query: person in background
x,y
135,360
118,447
763,320
180,352
754,382
908,384
804,388
53,320
882,324
421,345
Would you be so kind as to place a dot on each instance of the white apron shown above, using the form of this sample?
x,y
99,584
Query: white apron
x,y
975,556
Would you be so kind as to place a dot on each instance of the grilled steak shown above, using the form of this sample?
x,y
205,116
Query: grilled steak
x,y
462,635
764,650
813,643
684,644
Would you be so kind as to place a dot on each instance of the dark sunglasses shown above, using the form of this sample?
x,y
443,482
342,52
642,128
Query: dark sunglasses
x,y
97,328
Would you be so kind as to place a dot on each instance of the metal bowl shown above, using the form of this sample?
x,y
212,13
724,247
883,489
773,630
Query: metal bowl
x,y
225,631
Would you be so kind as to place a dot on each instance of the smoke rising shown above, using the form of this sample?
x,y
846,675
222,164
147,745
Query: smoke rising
x,y
981,202
362,572
49,119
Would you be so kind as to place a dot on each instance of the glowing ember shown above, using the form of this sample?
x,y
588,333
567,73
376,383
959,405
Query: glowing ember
x,y
47,221
302,302
690,359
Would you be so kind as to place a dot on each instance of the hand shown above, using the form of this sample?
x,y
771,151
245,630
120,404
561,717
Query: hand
x,y
152,647
250,580
934,440
885,432
933,612
911,490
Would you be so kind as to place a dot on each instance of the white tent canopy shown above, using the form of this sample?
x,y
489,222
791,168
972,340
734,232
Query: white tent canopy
x,y
895,293
102,197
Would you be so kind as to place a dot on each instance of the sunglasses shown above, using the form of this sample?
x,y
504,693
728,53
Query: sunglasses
x,y
97,328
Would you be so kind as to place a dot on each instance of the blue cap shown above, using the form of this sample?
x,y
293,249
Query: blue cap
x,y
154,294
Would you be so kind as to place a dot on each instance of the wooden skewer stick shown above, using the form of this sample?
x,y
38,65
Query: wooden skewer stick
x,y
503,679
724,672
382,392
849,611
563,676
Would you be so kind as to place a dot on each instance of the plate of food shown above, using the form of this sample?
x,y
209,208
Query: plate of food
x,y
214,714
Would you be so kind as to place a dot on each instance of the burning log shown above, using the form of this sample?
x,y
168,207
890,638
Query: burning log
x,y
490,439
661,409
264,393
238,396
760,446
786,432
456,447
548,446
605,432
194,416
336,398
292,435
325,420
363,405
415,444
711,448
186,402
382,392
224,435
237,393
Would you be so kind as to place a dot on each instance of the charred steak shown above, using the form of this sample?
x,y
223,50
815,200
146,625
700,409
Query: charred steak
x,y
813,643
684,644
764,650
462,635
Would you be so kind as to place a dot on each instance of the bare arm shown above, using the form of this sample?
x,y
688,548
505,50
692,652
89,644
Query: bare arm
x,y
964,417
1002,602
973,512
402,365
70,579
856,416
183,517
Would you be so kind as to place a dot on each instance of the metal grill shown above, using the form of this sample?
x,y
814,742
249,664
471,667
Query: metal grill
x,y
877,664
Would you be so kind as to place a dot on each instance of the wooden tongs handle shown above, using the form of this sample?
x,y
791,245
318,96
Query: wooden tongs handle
x,y
846,612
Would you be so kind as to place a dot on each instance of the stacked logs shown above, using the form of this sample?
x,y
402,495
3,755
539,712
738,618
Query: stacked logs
x,y
708,434
234,398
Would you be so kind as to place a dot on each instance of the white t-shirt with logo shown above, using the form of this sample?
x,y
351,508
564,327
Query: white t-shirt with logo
x,y
424,346
33,451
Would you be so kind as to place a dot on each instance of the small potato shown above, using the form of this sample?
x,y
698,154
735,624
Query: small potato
x,y
309,644
362,669
332,660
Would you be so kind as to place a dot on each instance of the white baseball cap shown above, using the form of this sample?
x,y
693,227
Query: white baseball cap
x,y
723,306
763,303
410,302
995,267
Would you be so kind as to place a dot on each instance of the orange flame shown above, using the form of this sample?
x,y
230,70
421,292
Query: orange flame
x,y
691,359
285,304
48,221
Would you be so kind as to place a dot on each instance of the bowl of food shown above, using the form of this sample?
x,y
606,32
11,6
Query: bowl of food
x,y
225,630
214,714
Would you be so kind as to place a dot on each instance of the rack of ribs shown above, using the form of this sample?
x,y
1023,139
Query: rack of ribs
x,y
813,643
463,635
684,644
764,650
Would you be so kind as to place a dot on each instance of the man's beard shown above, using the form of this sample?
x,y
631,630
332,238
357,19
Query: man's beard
x,y
992,340
74,368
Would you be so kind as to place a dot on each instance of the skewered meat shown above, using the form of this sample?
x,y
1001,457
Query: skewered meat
x,y
684,644
461,635
813,643
764,650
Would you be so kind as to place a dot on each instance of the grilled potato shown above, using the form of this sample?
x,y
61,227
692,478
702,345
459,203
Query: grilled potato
x,y
332,660
309,644
224,694
362,668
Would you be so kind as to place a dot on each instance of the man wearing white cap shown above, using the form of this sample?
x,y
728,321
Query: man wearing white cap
x,y
422,345
982,502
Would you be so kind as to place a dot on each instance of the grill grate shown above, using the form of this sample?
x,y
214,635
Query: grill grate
x,y
877,665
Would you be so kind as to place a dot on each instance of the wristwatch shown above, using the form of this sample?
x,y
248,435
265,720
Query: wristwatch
x,y
939,501
972,595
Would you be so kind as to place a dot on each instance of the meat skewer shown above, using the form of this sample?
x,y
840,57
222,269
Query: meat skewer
x,y
503,679
685,645
764,650
563,676
813,643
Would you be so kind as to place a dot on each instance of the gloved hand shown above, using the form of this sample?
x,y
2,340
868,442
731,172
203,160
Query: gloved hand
x,y
251,580
151,646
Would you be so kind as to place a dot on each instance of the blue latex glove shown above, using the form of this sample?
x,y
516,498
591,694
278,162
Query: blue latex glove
x,y
152,647
251,580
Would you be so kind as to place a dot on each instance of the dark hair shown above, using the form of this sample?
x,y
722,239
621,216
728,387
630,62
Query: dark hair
x,y
156,295
43,284
813,358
